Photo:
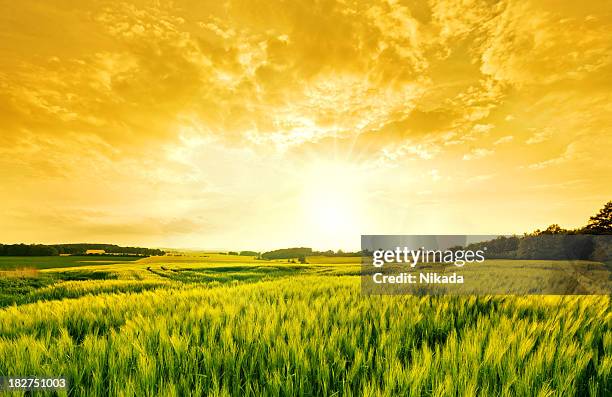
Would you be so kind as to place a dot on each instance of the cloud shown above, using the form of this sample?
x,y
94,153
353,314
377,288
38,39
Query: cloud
x,y
526,43
396,154
288,75
477,153
285,77
571,153
539,137
482,128
504,139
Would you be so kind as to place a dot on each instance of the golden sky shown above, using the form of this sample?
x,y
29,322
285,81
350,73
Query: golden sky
x,y
266,124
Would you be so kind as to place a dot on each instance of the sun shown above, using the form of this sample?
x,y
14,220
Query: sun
x,y
333,211
332,202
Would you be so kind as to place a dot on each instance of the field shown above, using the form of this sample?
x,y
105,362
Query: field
x,y
48,262
212,324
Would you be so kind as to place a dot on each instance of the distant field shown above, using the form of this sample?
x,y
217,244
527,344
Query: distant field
x,y
47,262
205,257
333,259
217,257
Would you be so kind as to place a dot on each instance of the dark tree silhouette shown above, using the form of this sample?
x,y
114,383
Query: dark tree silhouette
x,y
72,249
554,229
601,223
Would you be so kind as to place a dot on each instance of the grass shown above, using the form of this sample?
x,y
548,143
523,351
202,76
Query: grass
x,y
223,326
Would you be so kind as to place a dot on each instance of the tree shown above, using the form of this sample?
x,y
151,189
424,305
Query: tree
x,y
287,253
554,229
601,223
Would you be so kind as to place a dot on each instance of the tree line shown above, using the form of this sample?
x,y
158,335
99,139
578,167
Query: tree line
x,y
73,249
302,252
591,242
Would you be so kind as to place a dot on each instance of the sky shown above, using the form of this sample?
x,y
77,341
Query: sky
x,y
268,124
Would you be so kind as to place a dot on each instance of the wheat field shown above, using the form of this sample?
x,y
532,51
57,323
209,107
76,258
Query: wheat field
x,y
234,326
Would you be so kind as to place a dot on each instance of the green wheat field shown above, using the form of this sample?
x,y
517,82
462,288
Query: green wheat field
x,y
212,324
